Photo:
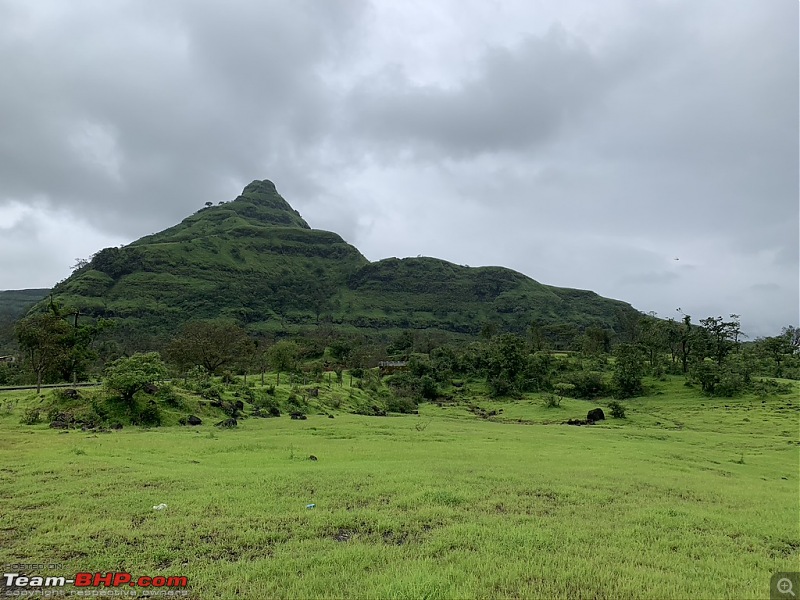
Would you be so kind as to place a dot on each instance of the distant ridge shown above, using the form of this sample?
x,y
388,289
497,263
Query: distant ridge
x,y
255,260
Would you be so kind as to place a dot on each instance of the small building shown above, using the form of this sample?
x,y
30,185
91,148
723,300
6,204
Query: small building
x,y
392,366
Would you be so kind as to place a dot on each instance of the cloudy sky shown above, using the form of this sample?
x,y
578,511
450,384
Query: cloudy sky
x,y
585,144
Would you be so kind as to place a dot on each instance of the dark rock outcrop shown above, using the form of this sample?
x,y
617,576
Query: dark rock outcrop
x,y
596,414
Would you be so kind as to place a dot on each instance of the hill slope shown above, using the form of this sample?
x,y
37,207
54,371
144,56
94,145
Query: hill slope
x,y
256,260
13,305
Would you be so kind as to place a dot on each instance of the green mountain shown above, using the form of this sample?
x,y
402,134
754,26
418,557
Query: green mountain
x,y
13,305
257,261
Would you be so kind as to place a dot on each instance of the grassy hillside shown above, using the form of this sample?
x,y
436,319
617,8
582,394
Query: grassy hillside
x,y
255,260
14,304
687,497
432,293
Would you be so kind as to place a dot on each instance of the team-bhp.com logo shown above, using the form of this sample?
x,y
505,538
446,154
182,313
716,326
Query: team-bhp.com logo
x,y
16,581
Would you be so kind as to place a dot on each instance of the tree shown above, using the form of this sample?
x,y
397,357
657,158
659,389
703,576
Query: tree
x,y
722,335
653,337
283,357
778,349
792,335
628,371
128,375
340,350
506,364
45,340
685,341
211,344
595,340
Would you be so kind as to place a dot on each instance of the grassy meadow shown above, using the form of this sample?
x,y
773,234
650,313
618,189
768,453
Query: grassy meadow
x,y
687,497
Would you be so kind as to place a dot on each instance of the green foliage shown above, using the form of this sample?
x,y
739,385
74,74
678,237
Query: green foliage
x,y
256,262
401,404
587,384
213,344
31,416
616,409
506,364
168,395
46,341
211,391
6,374
245,392
13,306
341,350
283,356
296,404
428,388
147,415
722,336
769,387
628,371
126,376
564,389
538,371
267,402
551,401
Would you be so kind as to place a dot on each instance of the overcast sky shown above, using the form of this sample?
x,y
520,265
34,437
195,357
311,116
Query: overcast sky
x,y
585,144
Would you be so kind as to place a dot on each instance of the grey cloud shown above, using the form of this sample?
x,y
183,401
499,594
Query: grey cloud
x,y
147,111
519,97
583,144
659,278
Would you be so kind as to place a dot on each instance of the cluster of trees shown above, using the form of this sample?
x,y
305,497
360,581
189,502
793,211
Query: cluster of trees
x,y
57,346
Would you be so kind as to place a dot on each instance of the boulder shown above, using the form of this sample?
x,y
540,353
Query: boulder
x,y
298,416
239,405
596,414
193,420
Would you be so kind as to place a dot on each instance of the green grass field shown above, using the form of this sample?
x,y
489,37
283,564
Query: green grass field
x,y
688,497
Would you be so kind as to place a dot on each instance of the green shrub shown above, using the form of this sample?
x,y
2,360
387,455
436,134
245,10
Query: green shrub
x,y
628,371
401,404
616,409
551,401
428,388
168,395
296,404
212,392
245,392
769,387
730,384
588,385
31,416
148,415
264,400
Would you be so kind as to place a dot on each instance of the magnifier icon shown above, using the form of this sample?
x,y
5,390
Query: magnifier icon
x,y
785,586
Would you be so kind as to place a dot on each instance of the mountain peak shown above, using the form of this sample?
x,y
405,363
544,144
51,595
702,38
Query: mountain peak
x,y
261,201
256,187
